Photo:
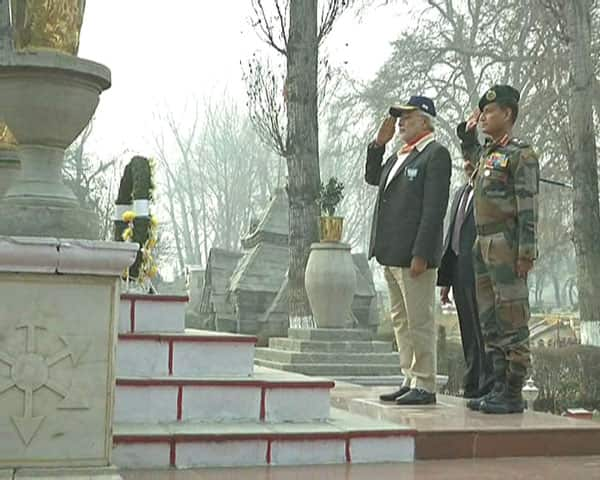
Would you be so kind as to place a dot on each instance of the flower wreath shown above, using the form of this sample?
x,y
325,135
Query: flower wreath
x,y
133,221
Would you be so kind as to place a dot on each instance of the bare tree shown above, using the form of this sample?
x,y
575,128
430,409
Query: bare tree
x,y
583,165
284,108
93,181
217,176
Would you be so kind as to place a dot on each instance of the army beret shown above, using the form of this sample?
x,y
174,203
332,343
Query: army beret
x,y
501,94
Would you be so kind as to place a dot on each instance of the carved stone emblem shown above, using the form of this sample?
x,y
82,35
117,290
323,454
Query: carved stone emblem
x,y
31,369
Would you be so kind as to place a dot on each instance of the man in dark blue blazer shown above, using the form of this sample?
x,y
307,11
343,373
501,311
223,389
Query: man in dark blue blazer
x,y
457,273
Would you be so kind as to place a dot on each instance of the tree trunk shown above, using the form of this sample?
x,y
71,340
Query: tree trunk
x,y
556,285
584,170
302,152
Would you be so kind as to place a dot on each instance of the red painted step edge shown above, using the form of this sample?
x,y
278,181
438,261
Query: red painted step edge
x,y
180,382
208,437
154,298
190,337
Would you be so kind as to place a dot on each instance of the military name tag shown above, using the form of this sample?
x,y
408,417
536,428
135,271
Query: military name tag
x,y
412,173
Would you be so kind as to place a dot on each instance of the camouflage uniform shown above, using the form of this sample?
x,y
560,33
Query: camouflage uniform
x,y
506,185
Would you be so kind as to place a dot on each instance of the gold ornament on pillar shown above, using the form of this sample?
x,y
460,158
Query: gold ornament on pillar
x,y
47,24
7,139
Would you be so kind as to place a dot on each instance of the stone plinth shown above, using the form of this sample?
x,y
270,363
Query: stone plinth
x,y
59,316
330,352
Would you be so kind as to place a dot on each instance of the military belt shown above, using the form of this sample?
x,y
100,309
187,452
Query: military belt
x,y
491,228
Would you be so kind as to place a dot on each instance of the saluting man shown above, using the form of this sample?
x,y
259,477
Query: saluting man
x,y
406,238
506,186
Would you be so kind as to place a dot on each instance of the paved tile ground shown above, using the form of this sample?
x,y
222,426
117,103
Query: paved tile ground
x,y
535,468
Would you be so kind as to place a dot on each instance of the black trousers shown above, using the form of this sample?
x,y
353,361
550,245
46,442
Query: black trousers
x,y
478,377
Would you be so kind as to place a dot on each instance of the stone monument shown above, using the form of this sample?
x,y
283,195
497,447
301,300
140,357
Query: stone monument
x,y
59,290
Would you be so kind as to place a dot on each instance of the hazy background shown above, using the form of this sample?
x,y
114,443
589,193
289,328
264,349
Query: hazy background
x,y
165,54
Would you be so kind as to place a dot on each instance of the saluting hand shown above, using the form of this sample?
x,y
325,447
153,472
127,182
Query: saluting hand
x,y
386,131
473,119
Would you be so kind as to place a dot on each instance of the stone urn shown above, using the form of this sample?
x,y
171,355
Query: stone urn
x,y
47,99
330,283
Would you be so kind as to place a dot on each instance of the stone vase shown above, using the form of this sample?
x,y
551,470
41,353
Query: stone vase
x,y
330,283
47,99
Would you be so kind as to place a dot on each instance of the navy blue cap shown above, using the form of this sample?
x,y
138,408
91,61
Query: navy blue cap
x,y
416,102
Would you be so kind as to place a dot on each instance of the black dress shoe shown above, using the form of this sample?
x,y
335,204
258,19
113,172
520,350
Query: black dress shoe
x,y
392,397
417,396
472,394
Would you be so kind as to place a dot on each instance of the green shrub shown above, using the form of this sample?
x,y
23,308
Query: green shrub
x,y
567,377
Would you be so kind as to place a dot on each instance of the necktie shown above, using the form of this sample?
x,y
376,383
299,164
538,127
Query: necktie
x,y
460,219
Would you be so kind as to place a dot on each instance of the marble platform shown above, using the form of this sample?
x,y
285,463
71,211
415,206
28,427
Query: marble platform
x,y
449,430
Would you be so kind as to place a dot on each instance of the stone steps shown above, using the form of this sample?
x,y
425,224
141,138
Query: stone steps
x,y
333,369
320,346
330,334
190,398
152,313
282,356
192,353
262,398
343,438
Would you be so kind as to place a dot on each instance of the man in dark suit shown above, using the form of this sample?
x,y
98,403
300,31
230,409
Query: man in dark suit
x,y
457,273
406,238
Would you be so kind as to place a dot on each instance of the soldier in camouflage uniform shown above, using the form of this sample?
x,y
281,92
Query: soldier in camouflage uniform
x,y
506,185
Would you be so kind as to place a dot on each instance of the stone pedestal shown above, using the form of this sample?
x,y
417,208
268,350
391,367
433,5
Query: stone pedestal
x,y
47,100
59,316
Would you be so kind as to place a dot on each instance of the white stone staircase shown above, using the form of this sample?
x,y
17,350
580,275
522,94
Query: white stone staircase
x,y
189,398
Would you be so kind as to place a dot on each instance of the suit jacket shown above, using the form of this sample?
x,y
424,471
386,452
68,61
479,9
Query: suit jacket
x,y
465,274
408,218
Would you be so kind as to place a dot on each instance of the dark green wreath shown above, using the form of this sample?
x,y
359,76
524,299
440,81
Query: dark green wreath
x,y
136,184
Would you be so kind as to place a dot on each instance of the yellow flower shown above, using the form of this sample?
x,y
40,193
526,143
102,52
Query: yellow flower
x,y
153,220
153,271
129,216
151,243
127,234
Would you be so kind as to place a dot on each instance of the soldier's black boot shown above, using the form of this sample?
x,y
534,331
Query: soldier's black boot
x,y
500,365
511,399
